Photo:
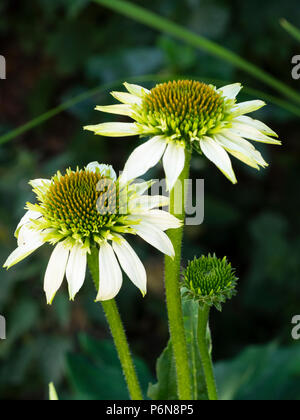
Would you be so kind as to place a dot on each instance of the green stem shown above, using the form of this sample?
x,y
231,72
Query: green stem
x,y
203,319
117,330
173,296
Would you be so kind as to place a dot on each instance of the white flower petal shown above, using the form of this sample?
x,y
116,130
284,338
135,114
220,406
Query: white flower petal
x,y
136,90
215,153
230,91
104,170
159,218
110,274
251,133
245,153
155,237
120,109
127,98
248,106
21,253
29,215
27,235
131,264
76,270
147,202
173,160
114,129
244,119
143,158
38,183
55,271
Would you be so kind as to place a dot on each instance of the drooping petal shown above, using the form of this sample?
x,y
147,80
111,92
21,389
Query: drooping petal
x,y
247,107
114,129
173,160
21,253
76,270
215,153
241,151
159,218
131,264
230,91
136,90
147,202
143,158
244,119
55,271
29,215
110,274
127,98
155,237
120,109
251,133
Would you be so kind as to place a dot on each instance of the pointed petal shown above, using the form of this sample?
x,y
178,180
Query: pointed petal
x,y
244,119
27,236
21,253
116,109
114,129
76,270
230,91
159,218
105,170
131,264
127,98
173,160
37,183
136,90
55,271
248,106
110,275
155,237
215,153
251,133
143,158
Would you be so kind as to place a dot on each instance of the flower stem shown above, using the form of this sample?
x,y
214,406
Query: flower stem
x,y
117,330
204,353
172,285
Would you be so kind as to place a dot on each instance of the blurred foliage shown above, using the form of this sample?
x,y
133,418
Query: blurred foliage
x,y
60,48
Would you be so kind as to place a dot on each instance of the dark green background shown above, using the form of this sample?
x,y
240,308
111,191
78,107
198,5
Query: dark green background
x,y
57,49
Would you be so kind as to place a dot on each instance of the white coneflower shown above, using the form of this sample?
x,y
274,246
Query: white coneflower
x,y
87,209
189,115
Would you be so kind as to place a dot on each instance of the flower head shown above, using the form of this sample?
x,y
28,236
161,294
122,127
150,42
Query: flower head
x,y
209,280
186,115
90,209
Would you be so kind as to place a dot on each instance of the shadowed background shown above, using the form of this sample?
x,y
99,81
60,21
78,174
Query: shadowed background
x,y
58,49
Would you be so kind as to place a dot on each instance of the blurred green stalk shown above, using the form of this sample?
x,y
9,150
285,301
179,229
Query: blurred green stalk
x,y
291,29
164,25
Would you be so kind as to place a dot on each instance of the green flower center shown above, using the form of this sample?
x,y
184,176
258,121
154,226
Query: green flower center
x,y
81,202
183,109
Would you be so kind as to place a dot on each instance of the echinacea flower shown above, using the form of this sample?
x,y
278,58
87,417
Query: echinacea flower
x,y
87,210
186,115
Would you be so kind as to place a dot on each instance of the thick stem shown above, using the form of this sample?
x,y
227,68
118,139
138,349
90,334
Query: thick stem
x,y
117,330
204,353
172,285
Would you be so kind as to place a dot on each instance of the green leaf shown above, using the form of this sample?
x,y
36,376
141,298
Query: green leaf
x,y
166,388
96,373
261,373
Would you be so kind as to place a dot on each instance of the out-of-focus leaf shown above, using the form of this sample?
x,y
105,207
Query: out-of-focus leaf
x,y
261,373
